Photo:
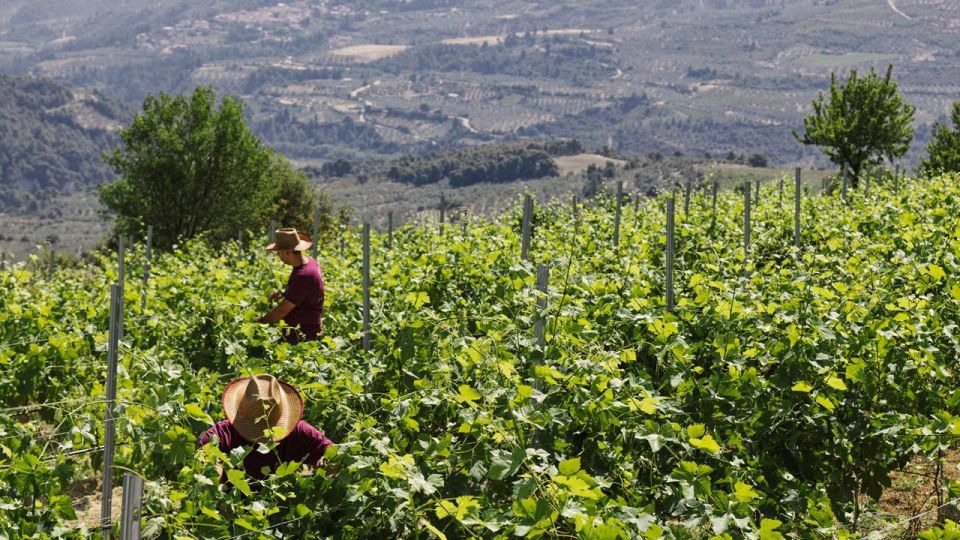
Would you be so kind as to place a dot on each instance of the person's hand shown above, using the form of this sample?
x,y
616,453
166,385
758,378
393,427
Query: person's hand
x,y
332,469
276,295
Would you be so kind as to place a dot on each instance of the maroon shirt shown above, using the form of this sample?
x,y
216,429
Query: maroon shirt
x,y
305,443
305,291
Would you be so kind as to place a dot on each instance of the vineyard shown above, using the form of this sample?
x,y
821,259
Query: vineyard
x,y
774,401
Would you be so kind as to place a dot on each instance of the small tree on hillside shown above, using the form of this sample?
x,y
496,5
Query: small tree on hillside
x,y
757,160
293,198
188,167
944,148
594,180
864,120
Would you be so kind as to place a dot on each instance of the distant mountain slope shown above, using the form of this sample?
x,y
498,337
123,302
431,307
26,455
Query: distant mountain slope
x,y
51,140
377,79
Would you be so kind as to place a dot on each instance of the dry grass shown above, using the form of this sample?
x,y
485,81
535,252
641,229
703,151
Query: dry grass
x,y
580,162
370,52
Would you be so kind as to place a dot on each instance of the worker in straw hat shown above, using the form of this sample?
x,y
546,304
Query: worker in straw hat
x,y
302,301
261,409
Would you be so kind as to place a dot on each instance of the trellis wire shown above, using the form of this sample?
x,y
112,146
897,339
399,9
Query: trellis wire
x,y
12,344
71,454
884,532
47,405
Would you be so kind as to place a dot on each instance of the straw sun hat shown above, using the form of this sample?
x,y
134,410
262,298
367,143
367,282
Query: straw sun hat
x,y
255,405
288,239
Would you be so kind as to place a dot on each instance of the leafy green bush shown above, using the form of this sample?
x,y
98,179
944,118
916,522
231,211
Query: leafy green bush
x,y
944,149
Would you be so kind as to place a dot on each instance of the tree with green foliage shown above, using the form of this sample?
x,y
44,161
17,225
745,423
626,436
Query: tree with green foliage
x,y
294,201
293,198
758,160
864,121
187,166
944,148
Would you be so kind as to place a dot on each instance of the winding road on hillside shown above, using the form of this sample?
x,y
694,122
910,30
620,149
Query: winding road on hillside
x,y
362,118
893,6
465,123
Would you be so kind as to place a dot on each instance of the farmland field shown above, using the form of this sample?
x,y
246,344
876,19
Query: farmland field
x,y
580,162
369,53
775,401
749,68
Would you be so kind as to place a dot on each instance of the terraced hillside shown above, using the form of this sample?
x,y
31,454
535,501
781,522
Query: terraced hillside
x,y
333,79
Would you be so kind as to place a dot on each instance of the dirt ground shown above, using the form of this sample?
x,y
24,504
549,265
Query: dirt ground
x,y
911,495
86,502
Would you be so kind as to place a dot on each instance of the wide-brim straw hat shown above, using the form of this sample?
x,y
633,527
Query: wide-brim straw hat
x,y
256,405
288,239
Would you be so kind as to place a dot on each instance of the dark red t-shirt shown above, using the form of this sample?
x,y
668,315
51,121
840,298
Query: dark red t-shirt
x,y
305,443
305,291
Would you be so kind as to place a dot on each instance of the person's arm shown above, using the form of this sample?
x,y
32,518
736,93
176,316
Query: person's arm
x,y
214,434
278,313
315,444
292,297
207,436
